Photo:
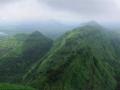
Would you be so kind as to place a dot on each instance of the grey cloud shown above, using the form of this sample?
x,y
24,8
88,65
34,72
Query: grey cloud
x,y
8,1
5,1
89,7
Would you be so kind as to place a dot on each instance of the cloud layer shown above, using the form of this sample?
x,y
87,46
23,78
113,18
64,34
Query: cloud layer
x,y
106,10
89,7
60,10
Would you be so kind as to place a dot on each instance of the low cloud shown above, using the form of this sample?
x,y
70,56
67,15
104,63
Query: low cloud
x,y
90,9
8,1
60,10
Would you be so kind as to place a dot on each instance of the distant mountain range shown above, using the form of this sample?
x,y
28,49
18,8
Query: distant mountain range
x,y
48,28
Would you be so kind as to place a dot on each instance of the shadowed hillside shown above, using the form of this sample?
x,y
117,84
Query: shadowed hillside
x,y
20,52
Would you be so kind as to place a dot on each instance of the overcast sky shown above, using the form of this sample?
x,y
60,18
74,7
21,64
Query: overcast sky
x,y
60,10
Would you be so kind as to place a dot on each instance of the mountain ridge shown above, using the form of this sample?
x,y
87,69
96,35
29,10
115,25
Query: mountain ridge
x,y
77,62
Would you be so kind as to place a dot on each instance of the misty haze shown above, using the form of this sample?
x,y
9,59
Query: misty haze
x,y
59,45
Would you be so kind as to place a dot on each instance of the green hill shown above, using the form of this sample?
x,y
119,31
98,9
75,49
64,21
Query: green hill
x,y
22,52
36,46
11,44
85,58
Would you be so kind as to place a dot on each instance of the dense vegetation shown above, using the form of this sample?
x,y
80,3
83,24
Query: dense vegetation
x,y
82,59
14,87
86,58
21,52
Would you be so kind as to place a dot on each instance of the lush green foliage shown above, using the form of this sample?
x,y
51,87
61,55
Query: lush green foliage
x,y
83,59
14,87
21,51
86,58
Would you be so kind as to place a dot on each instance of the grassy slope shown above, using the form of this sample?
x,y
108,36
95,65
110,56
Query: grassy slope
x,y
10,44
12,48
78,61
23,52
